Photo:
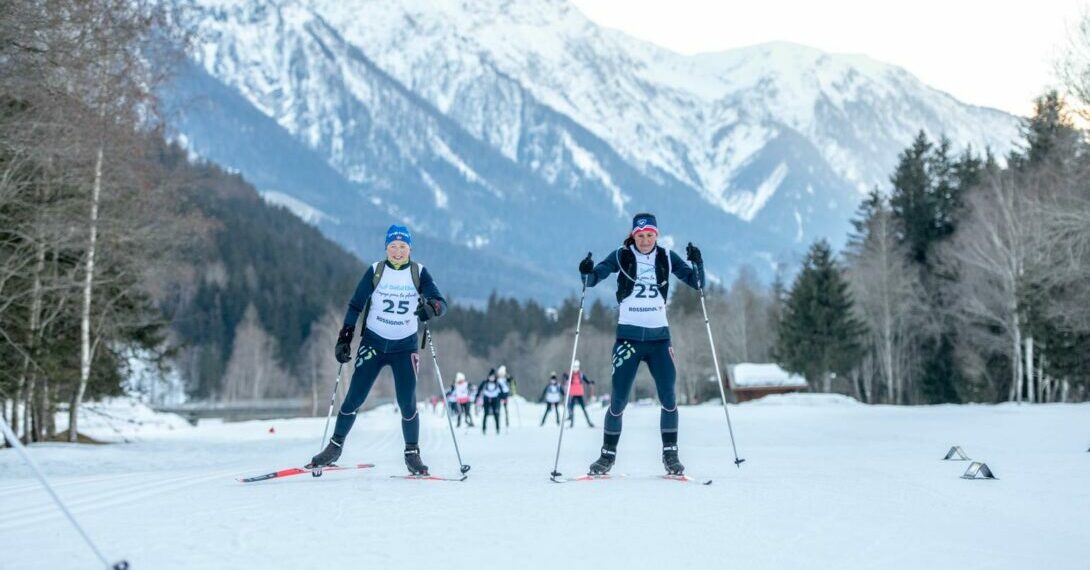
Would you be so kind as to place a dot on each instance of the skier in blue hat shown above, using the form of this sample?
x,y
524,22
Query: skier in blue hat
x,y
394,296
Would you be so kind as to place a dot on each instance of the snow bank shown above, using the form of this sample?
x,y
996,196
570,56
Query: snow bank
x,y
803,399
116,420
748,375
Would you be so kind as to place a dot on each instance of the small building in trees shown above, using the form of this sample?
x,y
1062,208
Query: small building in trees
x,y
748,381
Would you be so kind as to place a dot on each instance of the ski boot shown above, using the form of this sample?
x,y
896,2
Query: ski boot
x,y
671,462
331,453
604,462
413,462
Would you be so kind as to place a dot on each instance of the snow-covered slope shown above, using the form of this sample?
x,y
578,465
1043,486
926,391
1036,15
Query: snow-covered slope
x,y
697,118
824,485
473,120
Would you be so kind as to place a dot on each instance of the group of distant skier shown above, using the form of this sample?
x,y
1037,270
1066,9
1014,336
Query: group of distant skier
x,y
494,392
397,294
466,400
553,395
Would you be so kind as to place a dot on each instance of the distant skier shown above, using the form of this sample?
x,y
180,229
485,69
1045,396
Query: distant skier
x,y
452,400
461,398
507,386
552,396
579,382
643,334
387,295
490,398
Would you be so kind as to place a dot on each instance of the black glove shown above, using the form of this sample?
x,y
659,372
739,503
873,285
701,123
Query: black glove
x,y
586,267
428,309
344,344
692,253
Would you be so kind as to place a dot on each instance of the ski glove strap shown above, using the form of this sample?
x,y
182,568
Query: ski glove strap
x,y
428,309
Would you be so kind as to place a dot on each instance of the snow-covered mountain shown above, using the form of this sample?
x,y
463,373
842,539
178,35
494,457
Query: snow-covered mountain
x,y
520,134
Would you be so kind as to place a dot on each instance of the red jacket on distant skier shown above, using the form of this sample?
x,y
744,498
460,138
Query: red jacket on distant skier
x,y
577,388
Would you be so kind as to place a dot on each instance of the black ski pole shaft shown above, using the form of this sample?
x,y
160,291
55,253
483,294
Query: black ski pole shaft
x,y
332,400
18,445
719,379
462,467
571,367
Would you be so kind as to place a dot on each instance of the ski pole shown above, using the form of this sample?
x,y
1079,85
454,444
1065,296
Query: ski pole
x,y
462,467
719,378
332,399
518,411
18,445
571,366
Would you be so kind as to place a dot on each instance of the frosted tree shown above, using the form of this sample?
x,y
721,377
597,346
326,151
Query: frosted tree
x,y
317,369
747,334
253,371
889,297
1074,65
993,255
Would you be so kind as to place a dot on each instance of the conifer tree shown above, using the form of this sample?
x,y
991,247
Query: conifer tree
x,y
819,336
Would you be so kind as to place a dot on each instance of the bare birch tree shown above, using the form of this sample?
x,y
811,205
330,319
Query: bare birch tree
x,y
1073,67
993,254
254,371
890,299
318,369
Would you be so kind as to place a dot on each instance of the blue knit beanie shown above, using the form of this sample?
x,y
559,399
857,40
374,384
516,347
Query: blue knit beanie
x,y
397,232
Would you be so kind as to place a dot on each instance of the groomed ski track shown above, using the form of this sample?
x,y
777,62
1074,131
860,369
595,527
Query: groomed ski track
x,y
827,483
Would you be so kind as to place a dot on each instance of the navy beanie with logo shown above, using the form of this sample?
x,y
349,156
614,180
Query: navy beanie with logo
x,y
645,222
397,232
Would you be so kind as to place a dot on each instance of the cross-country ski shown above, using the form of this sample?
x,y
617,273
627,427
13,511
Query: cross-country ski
x,y
315,471
429,478
587,477
687,479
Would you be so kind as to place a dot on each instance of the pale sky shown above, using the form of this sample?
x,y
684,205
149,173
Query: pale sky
x,y
993,53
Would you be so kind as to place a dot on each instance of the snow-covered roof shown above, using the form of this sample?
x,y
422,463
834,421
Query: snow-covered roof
x,y
748,375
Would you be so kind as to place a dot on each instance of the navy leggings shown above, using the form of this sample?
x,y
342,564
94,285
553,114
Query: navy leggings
x,y
491,408
627,355
368,364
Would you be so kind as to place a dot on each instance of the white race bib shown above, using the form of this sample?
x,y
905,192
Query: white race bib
x,y
644,306
393,305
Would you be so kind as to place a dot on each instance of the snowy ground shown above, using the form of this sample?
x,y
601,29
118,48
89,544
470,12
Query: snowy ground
x,y
827,484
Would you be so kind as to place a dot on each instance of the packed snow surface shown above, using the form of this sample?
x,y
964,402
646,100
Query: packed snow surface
x,y
824,485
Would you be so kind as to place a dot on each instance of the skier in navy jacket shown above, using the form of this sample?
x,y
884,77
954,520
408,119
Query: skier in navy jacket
x,y
491,392
552,395
394,296
643,335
